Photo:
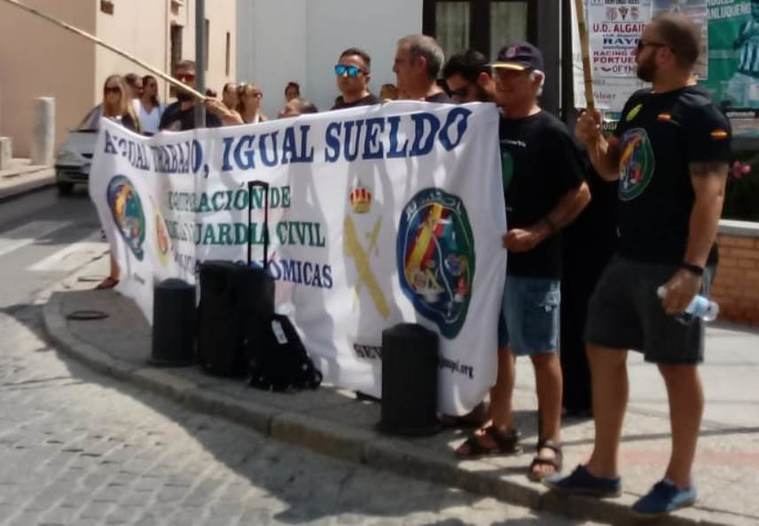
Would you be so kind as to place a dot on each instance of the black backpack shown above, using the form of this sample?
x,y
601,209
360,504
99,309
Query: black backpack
x,y
277,359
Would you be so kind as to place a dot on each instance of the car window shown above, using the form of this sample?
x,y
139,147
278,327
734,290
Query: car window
x,y
90,122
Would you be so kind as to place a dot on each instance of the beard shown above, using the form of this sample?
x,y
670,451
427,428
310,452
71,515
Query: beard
x,y
184,96
647,69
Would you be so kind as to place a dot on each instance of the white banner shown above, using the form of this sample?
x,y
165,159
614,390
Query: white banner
x,y
377,215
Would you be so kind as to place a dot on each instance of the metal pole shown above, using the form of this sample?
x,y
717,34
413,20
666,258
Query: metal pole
x,y
200,60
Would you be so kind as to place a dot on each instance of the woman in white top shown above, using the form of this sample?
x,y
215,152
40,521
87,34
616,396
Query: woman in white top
x,y
149,109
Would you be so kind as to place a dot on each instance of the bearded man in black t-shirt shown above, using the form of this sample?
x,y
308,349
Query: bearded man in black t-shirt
x,y
670,153
544,191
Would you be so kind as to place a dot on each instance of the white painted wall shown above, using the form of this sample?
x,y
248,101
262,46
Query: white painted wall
x,y
283,40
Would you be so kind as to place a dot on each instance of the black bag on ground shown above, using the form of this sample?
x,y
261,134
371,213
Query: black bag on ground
x,y
277,359
234,301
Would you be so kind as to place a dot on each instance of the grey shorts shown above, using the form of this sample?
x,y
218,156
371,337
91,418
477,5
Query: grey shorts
x,y
625,313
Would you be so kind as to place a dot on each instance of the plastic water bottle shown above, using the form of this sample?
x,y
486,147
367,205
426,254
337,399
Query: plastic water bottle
x,y
700,307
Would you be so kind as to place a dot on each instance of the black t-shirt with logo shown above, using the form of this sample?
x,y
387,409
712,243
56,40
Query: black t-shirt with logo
x,y
369,100
659,135
174,118
541,162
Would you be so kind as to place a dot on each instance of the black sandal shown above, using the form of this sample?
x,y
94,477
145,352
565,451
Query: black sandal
x,y
506,443
556,462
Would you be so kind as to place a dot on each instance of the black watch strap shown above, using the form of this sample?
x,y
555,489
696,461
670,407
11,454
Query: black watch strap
x,y
694,269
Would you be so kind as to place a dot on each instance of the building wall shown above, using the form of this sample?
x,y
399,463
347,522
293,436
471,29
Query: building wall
x,y
283,40
736,287
39,59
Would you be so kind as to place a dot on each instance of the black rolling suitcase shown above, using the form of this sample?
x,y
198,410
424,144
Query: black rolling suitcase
x,y
233,300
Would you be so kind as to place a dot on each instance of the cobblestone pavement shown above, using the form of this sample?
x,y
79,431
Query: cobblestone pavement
x,y
81,449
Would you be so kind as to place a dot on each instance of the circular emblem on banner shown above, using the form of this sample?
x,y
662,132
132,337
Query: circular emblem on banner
x,y
436,258
128,213
636,164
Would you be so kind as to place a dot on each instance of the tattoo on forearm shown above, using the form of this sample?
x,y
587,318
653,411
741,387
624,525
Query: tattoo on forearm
x,y
708,168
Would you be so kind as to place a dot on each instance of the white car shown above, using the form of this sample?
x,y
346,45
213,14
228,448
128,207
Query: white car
x,y
72,164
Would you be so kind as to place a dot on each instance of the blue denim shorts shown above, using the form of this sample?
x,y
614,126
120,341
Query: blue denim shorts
x,y
530,315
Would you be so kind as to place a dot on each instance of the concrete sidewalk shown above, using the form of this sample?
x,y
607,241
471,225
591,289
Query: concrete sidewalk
x,y
22,177
333,422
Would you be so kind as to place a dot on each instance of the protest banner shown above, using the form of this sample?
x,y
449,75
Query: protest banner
x,y
377,215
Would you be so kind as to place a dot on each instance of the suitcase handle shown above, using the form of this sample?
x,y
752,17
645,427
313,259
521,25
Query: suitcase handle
x,y
265,186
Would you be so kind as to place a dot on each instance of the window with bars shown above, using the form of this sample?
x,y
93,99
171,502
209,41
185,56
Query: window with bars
x,y
485,25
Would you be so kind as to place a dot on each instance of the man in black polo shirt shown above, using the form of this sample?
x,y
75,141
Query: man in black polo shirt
x,y
180,115
418,59
353,71
670,153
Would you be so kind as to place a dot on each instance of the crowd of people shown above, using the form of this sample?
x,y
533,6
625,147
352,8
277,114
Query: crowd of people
x,y
667,163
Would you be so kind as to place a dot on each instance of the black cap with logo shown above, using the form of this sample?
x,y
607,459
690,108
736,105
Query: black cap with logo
x,y
519,56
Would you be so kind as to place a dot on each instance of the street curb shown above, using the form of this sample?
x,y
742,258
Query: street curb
x,y
28,186
362,446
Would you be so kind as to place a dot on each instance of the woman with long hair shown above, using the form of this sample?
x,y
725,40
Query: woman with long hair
x,y
249,105
149,108
117,106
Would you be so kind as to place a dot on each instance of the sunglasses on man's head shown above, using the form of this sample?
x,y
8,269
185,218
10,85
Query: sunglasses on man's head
x,y
112,89
351,71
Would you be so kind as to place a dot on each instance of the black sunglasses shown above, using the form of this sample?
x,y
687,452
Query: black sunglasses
x,y
112,90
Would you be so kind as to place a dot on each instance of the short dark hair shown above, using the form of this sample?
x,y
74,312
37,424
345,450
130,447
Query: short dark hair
x,y
681,35
293,84
468,64
227,85
358,52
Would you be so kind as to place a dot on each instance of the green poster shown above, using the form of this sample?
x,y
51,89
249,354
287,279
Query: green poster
x,y
734,53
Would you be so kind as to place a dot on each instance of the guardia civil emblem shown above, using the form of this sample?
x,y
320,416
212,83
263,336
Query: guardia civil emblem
x,y
128,213
436,258
636,164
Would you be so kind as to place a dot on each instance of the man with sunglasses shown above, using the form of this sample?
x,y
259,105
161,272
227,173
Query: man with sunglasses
x,y
353,75
180,115
670,154
469,78
544,191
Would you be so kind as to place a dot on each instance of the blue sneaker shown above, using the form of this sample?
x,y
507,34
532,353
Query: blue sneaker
x,y
663,498
582,482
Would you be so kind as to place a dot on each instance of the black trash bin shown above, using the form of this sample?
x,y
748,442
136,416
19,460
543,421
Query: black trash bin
x,y
173,323
409,380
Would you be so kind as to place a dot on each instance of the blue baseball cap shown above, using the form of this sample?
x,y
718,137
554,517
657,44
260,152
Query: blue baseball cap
x,y
519,56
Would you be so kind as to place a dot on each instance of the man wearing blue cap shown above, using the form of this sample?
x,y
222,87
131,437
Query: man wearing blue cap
x,y
544,191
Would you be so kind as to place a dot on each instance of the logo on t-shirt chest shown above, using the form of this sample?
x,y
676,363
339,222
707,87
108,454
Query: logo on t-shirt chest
x,y
636,164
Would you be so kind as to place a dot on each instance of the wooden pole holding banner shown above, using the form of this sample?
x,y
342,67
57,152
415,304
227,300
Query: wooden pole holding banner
x,y
587,72
96,40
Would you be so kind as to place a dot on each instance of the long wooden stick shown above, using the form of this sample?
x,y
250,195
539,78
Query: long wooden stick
x,y
587,72
108,46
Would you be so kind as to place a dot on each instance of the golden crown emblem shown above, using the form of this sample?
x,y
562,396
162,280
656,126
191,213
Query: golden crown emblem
x,y
361,200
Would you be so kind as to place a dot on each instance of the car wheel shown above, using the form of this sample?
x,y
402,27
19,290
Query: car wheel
x,y
65,188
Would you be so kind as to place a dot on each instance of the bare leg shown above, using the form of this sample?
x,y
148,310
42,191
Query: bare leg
x,y
503,390
686,407
548,382
608,370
